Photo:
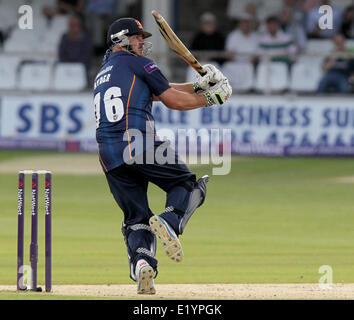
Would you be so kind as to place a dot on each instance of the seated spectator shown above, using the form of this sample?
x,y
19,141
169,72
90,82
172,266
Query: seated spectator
x,y
208,39
347,28
313,18
243,42
275,44
338,67
75,44
251,10
292,21
65,7
99,15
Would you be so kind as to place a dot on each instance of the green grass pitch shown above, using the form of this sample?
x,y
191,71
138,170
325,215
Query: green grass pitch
x,y
271,220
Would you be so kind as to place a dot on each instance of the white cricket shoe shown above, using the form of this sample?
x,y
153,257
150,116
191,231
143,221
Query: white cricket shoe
x,y
145,277
168,237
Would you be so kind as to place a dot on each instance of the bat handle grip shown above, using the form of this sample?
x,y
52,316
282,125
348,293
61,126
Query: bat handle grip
x,y
203,74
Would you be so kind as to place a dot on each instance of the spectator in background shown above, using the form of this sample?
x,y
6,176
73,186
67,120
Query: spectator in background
x,y
99,15
65,7
275,44
292,21
338,67
251,11
243,42
75,44
313,18
209,39
347,28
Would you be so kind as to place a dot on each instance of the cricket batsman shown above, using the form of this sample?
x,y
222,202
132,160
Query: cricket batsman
x,y
124,90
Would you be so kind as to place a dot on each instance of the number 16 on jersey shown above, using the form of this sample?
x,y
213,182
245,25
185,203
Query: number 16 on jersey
x,y
113,105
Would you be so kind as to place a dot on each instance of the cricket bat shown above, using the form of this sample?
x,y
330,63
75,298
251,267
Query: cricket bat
x,y
176,44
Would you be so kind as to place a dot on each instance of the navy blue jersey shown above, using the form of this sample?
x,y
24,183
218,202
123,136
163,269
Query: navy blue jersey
x,y
123,92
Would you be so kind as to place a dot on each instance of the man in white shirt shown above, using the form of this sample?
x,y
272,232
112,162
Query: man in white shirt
x,y
242,43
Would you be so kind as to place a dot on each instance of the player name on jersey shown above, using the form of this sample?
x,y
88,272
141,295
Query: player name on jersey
x,y
102,77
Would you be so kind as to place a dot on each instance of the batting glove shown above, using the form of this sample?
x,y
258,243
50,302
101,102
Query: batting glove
x,y
218,93
212,76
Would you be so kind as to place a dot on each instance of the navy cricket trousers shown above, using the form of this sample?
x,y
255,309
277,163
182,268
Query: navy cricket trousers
x,y
129,184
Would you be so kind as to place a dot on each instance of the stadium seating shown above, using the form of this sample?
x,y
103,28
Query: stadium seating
x,y
272,77
69,77
41,44
35,76
8,13
59,24
21,41
306,74
41,76
45,40
319,46
8,72
240,75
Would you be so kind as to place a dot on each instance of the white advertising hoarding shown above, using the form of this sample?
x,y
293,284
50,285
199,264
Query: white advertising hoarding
x,y
36,116
259,124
